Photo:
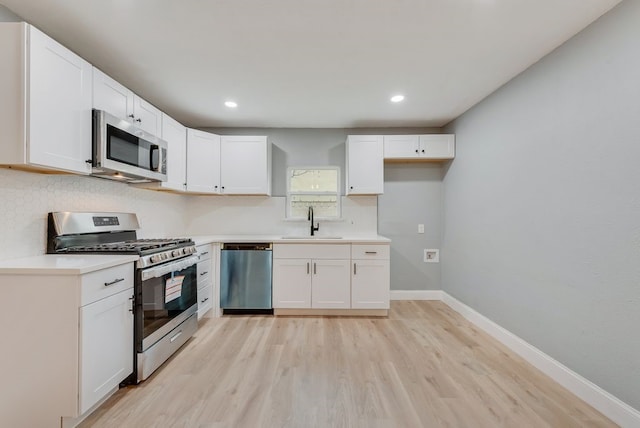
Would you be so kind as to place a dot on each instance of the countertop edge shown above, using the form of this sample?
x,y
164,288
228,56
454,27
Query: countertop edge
x,y
53,264
209,239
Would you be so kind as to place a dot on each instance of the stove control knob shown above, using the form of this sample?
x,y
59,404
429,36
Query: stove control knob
x,y
153,258
175,253
165,256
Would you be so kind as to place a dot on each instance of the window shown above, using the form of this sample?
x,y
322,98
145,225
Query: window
x,y
316,187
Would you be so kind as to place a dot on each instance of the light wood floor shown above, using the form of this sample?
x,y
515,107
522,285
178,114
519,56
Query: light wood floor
x,y
424,366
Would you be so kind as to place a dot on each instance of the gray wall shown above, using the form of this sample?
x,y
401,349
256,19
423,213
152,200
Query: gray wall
x,y
6,15
542,205
413,193
412,196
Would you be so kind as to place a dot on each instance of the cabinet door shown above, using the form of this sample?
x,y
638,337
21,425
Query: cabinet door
x,y
401,146
176,137
291,283
437,146
365,165
59,106
111,96
331,284
147,117
106,347
370,284
245,165
203,162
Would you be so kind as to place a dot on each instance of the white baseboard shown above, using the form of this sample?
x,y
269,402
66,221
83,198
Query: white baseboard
x,y
610,406
416,294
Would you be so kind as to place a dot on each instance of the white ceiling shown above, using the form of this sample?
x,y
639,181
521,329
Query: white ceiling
x,y
306,63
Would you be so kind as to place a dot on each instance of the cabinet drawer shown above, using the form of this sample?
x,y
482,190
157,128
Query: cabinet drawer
x,y
370,251
311,251
204,272
106,282
204,251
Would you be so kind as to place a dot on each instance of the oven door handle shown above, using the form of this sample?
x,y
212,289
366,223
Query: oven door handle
x,y
161,270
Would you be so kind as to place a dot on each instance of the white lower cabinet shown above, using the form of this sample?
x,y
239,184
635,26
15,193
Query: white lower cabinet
x,y
106,337
309,276
206,275
331,276
73,344
291,283
370,276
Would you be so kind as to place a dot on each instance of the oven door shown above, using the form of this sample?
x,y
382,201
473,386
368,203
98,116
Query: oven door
x,y
166,296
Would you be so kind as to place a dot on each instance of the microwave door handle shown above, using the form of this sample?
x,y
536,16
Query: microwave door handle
x,y
153,149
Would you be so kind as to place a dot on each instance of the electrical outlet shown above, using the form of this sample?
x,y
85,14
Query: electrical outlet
x,y
431,255
421,228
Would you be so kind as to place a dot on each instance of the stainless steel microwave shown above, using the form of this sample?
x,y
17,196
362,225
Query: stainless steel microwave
x,y
122,151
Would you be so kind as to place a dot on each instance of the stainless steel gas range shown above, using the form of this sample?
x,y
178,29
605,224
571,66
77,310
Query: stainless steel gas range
x,y
165,289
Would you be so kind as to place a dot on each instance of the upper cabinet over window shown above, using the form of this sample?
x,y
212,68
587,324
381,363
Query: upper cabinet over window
x,y
116,99
419,147
45,102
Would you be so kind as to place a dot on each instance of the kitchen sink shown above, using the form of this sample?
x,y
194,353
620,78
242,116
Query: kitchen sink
x,y
312,237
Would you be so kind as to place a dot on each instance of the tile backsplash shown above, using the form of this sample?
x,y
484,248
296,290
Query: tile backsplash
x,y
26,198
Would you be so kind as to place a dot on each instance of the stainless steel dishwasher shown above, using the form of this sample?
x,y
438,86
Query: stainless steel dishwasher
x,y
245,278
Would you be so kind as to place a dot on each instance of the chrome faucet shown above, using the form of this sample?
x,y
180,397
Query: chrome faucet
x,y
310,218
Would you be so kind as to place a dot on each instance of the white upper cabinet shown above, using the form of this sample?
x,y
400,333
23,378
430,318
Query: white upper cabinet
x,y
175,134
114,98
203,162
419,147
401,146
146,117
45,106
228,165
246,165
111,96
365,168
438,146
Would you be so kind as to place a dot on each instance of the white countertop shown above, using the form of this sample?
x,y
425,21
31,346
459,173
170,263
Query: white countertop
x,y
52,264
283,239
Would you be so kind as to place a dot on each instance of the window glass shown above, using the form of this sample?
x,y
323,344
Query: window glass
x,y
316,187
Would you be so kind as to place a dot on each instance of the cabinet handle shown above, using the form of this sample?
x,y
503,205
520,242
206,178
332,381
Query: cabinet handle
x,y
215,187
314,268
351,187
307,268
89,161
131,309
138,120
416,150
422,150
204,300
115,281
204,253
371,252
131,116
204,273
176,336
354,268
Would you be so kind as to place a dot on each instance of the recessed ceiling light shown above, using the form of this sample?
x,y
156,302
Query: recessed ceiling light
x,y
231,104
397,98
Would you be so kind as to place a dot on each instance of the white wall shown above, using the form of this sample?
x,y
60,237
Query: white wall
x,y
542,205
26,198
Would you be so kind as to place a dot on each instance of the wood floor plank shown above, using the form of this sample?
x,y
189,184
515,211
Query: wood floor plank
x,y
423,366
